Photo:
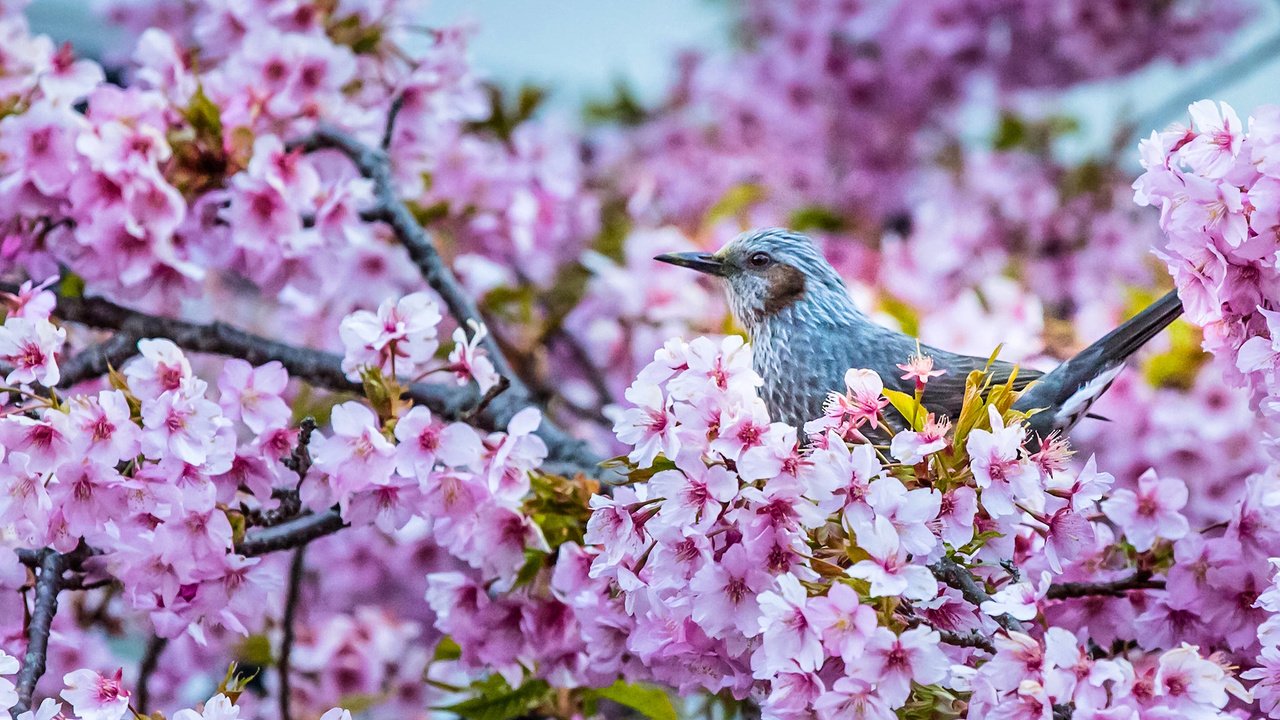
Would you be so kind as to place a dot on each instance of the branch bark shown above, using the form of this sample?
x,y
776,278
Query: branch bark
x,y
320,368
375,164
296,568
48,584
957,576
1115,588
150,663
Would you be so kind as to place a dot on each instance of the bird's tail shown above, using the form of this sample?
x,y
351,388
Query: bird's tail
x,y
1125,340
1066,392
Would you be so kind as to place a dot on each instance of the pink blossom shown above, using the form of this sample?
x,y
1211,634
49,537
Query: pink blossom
x,y
888,569
470,361
853,698
1151,512
843,621
356,455
892,662
955,515
219,707
1020,600
400,337
693,500
789,635
424,441
252,395
104,430
1069,534
181,422
1004,477
30,346
161,367
1220,135
910,447
860,403
727,594
96,697
920,368
649,427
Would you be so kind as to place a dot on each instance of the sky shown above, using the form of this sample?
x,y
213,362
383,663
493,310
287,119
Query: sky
x,y
580,47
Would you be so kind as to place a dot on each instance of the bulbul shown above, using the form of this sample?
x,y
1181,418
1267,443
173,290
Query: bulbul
x,y
806,332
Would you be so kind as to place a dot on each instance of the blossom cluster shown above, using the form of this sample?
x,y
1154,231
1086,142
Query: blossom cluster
x,y
806,577
1215,181
94,696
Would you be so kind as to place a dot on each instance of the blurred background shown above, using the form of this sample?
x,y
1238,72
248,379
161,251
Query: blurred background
x,y
582,48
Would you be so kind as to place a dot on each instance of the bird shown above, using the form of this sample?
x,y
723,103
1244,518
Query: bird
x,y
806,332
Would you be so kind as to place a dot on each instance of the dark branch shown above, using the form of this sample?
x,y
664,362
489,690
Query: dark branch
x,y
95,360
959,577
493,392
291,534
319,368
296,569
150,663
374,164
48,583
971,639
1116,588
389,130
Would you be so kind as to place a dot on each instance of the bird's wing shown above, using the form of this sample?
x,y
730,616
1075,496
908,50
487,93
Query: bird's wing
x,y
945,394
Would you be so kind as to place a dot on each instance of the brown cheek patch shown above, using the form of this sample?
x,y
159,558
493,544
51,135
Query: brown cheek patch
x,y
786,286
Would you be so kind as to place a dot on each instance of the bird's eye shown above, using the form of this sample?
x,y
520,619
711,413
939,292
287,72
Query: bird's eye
x,y
759,260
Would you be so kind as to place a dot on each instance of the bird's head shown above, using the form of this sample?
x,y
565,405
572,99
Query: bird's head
x,y
767,272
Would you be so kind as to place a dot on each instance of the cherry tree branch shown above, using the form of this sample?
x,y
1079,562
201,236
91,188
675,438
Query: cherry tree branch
x,y
291,534
1140,580
150,663
296,568
567,454
95,360
48,584
971,639
375,164
957,576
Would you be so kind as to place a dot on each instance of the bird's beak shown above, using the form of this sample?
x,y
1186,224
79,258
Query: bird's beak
x,y
700,261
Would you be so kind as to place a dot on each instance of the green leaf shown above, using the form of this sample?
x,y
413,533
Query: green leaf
x,y
497,701
446,649
735,201
907,406
906,315
648,700
816,217
72,285
255,650
204,115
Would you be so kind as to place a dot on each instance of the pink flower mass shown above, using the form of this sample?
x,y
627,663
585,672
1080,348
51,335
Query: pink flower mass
x,y
339,380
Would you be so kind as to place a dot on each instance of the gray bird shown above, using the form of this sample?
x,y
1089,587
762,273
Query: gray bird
x,y
806,332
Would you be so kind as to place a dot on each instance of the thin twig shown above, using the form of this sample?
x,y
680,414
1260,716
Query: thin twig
x,y
1140,580
971,639
957,576
497,389
147,668
296,569
389,130
48,583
